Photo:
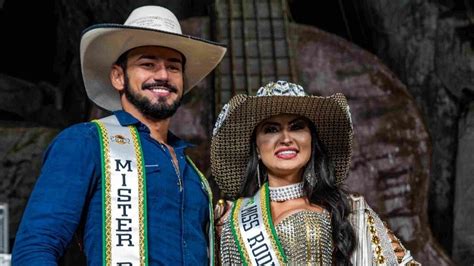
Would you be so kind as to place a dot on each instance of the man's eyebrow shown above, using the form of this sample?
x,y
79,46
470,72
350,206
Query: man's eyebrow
x,y
174,60
154,57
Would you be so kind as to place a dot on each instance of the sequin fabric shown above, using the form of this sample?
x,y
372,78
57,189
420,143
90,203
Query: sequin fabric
x,y
305,237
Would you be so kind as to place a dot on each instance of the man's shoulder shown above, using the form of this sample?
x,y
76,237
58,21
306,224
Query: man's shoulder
x,y
77,139
79,131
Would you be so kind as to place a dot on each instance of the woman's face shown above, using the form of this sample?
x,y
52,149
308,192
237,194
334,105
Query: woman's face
x,y
284,144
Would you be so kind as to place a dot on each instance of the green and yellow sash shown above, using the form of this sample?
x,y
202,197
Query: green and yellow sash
x,y
124,211
253,230
124,217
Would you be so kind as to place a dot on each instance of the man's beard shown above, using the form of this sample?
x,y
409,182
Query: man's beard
x,y
159,110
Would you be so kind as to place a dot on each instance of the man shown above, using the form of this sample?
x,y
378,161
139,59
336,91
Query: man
x,y
125,180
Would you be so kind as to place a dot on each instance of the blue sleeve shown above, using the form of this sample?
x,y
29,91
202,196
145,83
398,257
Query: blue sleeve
x,y
69,173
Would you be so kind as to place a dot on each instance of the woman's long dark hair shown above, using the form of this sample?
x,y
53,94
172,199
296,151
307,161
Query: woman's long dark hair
x,y
325,192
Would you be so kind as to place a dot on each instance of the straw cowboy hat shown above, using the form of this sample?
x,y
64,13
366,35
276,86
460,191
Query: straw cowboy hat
x,y
102,44
230,147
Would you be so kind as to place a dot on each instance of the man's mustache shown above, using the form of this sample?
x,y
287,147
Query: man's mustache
x,y
162,84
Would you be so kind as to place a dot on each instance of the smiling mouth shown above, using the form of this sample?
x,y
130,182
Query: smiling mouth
x,y
160,87
286,154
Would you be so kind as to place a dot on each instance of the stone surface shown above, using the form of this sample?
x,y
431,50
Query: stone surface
x,y
463,207
392,148
38,103
21,152
454,60
193,120
421,41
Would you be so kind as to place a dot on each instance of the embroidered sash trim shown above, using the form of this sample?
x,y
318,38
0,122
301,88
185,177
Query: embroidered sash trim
x,y
124,194
252,227
207,188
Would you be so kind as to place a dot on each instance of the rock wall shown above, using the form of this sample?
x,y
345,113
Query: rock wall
x,y
463,237
427,44
21,152
391,145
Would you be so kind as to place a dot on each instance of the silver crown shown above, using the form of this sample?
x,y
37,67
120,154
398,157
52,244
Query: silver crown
x,y
281,88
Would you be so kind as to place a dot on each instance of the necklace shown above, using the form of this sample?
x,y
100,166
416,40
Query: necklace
x,y
284,193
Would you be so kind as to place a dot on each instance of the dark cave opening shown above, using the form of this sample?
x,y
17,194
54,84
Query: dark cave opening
x,y
347,19
28,40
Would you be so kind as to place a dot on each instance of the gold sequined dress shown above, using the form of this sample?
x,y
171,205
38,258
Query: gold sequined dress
x,y
304,235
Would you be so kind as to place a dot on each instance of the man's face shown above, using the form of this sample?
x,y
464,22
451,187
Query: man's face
x,y
153,80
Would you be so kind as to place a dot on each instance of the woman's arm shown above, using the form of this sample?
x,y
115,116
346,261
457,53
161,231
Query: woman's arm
x,y
375,240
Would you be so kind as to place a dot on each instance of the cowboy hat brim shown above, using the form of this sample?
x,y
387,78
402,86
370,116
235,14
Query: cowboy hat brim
x,y
102,44
230,145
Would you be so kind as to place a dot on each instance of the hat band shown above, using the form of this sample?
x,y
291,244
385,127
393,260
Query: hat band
x,y
156,23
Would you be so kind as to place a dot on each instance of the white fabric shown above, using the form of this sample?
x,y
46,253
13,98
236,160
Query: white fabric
x,y
155,18
364,254
261,251
124,194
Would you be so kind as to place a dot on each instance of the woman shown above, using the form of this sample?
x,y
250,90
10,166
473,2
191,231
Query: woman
x,y
283,156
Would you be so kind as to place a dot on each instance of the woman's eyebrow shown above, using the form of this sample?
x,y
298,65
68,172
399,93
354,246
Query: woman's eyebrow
x,y
296,120
272,123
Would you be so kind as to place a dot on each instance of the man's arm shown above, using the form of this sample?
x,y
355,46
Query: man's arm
x,y
55,206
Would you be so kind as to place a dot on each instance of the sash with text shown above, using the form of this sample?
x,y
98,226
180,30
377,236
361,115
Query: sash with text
x,y
253,230
124,194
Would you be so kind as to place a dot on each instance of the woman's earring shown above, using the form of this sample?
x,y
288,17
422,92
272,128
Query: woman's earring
x,y
310,177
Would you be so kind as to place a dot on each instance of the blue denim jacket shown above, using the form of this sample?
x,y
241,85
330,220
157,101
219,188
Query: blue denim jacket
x,y
68,193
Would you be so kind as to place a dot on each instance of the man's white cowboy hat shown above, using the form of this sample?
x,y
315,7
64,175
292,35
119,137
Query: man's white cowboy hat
x,y
102,44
